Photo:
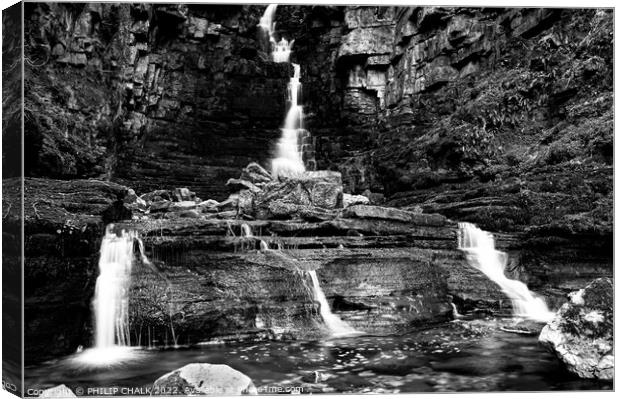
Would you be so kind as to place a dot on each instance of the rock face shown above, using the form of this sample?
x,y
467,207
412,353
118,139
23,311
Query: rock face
x,y
63,224
109,90
581,334
205,379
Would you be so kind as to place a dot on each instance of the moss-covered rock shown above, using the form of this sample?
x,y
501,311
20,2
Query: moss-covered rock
x,y
581,334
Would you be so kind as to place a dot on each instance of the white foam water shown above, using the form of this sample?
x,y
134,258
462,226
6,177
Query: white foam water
x,y
288,160
479,248
111,302
246,231
336,326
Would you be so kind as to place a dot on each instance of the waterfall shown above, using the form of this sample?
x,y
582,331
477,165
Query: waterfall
x,y
246,231
479,248
336,326
288,161
111,303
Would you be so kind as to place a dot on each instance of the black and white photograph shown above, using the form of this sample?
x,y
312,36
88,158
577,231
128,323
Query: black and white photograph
x,y
232,198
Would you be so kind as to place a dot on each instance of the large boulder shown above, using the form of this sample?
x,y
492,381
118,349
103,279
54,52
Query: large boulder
x,y
289,196
581,334
205,379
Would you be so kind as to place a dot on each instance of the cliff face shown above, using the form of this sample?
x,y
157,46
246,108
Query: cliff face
x,y
149,95
501,117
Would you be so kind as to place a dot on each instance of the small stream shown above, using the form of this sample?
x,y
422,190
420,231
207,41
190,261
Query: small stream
x,y
472,355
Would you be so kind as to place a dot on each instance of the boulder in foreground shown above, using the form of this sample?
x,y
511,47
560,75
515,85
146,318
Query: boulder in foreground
x,y
205,379
581,333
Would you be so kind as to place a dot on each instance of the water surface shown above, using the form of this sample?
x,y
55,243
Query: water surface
x,y
474,355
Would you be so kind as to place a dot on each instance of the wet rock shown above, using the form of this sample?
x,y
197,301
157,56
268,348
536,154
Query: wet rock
x,y
240,184
231,203
184,194
182,206
245,202
60,391
206,379
350,199
379,212
280,209
135,203
160,206
210,203
156,196
189,214
321,189
226,215
326,195
255,173
581,334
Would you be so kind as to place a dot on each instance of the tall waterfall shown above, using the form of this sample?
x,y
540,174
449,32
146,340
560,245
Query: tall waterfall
x,y
336,326
288,161
111,302
479,248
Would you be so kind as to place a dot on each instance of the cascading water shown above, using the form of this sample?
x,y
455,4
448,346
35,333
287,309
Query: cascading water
x,y
246,231
479,248
336,326
111,300
111,303
288,161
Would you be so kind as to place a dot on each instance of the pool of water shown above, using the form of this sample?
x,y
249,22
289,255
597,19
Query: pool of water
x,y
473,355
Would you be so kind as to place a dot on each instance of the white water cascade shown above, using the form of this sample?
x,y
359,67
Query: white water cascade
x,y
111,300
288,161
479,248
246,231
111,303
336,326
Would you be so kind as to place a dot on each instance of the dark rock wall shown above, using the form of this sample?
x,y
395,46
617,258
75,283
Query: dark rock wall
x,y
152,96
484,115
